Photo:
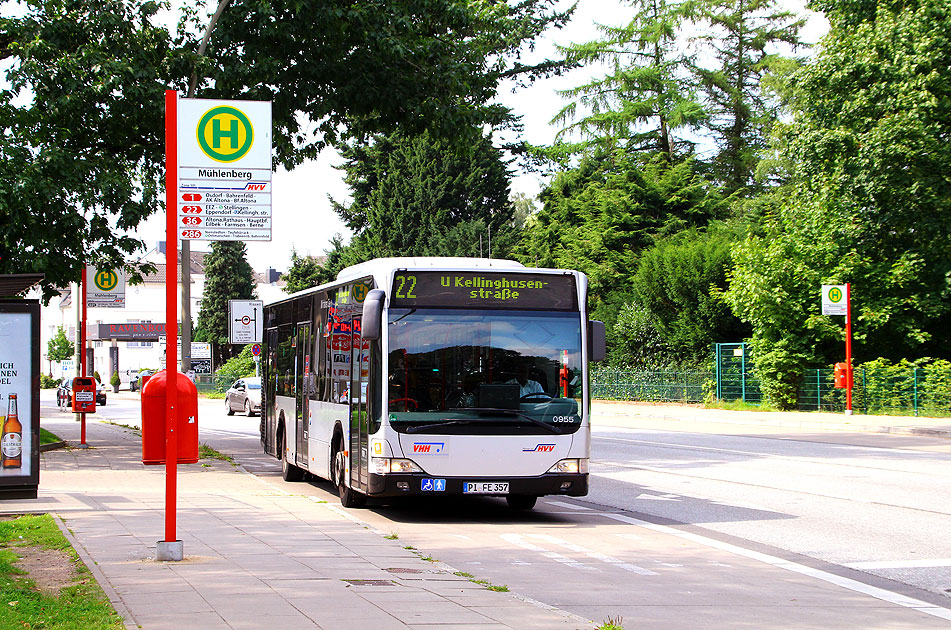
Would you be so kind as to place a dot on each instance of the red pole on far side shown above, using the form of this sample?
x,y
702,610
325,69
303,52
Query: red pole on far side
x,y
171,310
848,348
82,351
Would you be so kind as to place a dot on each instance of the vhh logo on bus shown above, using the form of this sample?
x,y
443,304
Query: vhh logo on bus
x,y
225,134
428,447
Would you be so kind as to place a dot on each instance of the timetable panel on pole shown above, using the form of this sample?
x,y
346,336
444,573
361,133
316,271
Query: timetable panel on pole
x,y
224,191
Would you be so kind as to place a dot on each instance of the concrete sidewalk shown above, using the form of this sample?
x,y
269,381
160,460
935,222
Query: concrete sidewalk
x,y
678,417
255,555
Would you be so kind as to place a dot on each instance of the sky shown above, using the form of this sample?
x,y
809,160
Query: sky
x,y
303,220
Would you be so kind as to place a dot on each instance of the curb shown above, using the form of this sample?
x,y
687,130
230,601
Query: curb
x,y
52,446
127,619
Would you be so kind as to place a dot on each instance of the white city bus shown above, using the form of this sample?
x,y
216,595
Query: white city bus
x,y
433,376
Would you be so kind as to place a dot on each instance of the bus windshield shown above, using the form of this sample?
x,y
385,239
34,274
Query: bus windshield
x,y
484,371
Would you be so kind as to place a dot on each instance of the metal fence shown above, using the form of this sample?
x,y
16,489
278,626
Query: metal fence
x,y
893,390
659,386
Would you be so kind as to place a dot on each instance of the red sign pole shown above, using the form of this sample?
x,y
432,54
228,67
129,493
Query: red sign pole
x,y
848,349
171,310
82,353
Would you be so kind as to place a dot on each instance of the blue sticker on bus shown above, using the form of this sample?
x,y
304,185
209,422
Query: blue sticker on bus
x,y
433,485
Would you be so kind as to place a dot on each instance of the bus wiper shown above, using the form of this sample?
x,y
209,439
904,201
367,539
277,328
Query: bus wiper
x,y
443,423
514,412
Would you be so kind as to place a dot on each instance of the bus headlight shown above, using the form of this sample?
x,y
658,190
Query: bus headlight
x,y
384,465
570,466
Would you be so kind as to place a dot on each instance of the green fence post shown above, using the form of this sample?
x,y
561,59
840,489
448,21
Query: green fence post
x,y
818,390
915,373
743,369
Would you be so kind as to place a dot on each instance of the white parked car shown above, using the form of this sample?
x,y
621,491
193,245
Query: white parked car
x,y
244,395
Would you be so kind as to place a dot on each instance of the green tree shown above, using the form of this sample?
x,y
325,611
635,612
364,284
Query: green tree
x,y
59,347
647,94
744,37
81,153
869,201
81,148
679,282
228,276
600,216
425,196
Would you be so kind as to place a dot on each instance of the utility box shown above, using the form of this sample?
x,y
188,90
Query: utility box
x,y
153,419
841,375
84,394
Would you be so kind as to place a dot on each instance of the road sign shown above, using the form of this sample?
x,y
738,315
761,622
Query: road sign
x,y
224,191
201,366
256,349
833,299
245,321
106,288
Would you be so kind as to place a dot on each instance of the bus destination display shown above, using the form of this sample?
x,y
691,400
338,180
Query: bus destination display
x,y
466,289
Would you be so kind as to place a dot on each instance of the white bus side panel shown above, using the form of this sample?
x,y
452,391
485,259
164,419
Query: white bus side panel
x,y
323,417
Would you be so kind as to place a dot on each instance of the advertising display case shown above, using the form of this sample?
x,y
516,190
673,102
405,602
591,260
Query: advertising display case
x,y
19,398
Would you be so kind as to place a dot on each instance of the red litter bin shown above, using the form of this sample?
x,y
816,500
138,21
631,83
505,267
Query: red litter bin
x,y
153,419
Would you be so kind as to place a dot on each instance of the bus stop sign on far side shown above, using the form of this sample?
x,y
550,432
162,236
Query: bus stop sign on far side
x,y
245,321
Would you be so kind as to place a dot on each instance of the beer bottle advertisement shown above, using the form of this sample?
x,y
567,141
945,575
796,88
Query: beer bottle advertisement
x,y
16,446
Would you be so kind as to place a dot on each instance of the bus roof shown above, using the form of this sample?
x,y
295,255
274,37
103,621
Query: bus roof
x,y
383,269
383,266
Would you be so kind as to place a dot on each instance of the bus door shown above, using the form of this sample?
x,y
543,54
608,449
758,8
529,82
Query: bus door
x,y
304,379
268,393
359,438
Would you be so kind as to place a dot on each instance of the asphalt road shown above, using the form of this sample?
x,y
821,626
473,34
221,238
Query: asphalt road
x,y
728,530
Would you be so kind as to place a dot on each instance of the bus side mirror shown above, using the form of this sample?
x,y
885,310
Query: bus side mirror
x,y
372,323
597,343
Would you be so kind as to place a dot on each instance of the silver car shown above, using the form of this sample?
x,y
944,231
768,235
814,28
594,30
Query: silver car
x,y
244,395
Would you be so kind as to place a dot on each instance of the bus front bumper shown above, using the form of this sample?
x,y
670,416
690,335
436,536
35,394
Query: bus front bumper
x,y
395,484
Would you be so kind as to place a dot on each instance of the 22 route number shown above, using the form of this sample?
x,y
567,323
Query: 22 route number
x,y
404,281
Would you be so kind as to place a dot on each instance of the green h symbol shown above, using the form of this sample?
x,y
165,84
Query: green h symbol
x,y
217,133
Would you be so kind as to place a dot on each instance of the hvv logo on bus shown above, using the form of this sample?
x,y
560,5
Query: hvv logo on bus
x,y
540,448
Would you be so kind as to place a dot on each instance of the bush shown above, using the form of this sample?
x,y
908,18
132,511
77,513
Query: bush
x,y
114,381
48,382
235,368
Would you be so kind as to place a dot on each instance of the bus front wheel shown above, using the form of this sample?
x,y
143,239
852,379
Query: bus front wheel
x,y
349,498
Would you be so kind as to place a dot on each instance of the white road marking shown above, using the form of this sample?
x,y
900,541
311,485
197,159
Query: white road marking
x,y
900,564
517,539
658,497
852,585
594,554
570,506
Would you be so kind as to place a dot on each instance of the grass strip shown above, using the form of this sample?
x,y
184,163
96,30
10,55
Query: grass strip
x,y
79,606
48,438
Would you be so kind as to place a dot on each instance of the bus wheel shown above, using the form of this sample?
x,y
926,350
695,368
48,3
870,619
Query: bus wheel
x,y
521,501
349,498
289,472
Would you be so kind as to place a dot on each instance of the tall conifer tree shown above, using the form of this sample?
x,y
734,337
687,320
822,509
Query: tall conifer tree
x,y
228,276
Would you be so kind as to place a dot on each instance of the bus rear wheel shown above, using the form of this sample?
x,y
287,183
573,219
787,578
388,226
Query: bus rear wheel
x,y
521,501
349,498
289,472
